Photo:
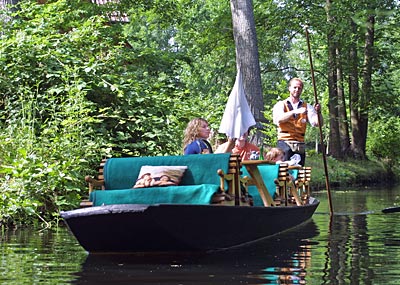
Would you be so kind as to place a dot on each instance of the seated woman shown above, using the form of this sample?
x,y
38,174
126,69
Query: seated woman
x,y
195,137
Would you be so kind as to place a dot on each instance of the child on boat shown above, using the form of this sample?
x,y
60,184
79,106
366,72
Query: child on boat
x,y
277,155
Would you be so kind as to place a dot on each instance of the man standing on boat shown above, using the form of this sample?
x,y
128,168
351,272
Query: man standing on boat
x,y
291,117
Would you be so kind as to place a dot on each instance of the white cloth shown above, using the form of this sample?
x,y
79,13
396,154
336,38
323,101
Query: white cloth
x,y
237,118
294,159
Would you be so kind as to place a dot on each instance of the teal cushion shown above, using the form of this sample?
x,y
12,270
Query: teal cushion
x,y
190,194
294,173
121,173
269,172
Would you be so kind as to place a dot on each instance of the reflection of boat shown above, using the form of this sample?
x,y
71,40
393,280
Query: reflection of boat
x,y
255,263
170,227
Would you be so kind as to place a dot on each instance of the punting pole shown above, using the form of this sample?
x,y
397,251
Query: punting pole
x,y
319,124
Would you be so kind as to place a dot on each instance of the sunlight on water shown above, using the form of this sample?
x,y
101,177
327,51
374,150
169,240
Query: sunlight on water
x,y
358,244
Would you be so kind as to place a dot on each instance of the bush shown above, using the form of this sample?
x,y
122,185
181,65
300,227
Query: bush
x,y
348,173
383,142
76,88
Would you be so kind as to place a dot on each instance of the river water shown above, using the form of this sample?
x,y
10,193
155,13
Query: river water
x,y
358,244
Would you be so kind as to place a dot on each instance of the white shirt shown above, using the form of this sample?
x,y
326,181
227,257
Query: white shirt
x,y
279,110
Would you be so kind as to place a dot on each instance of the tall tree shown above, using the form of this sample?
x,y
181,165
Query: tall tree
x,y
342,107
366,88
349,64
247,58
334,134
360,101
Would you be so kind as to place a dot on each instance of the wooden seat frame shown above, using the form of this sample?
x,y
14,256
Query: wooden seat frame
x,y
293,191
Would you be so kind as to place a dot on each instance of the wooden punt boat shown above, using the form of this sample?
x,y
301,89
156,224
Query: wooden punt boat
x,y
163,227
175,227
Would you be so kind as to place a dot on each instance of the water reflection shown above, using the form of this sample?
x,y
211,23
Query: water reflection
x,y
279,260
31,257
347,248
355,249
357,245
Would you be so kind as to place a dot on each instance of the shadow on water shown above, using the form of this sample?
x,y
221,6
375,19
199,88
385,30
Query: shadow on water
x,y
276,259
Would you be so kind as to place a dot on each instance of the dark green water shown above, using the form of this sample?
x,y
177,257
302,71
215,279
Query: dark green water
x,y
357,245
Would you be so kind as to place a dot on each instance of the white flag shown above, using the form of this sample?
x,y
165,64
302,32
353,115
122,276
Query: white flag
x,y
237,118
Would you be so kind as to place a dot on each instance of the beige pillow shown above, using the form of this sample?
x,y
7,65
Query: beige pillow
x,y
150,176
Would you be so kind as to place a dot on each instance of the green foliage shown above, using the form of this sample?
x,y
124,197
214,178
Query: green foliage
x,y
47,140
43,162
269,128
348,173
384,141
75,87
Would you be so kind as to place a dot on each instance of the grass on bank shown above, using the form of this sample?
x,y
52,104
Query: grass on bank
x,y
349,173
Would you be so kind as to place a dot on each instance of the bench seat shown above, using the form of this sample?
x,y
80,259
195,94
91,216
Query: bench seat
x,y
269,173
199,182
186,194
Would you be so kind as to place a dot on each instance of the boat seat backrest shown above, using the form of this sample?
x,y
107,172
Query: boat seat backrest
x,y
121,173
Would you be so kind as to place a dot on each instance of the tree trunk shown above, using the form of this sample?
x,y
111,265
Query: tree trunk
x,y
334,135
247,59
366,88
343,122
354,93
360,104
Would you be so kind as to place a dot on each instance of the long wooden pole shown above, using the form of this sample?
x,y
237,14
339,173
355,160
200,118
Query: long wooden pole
x,y
320,125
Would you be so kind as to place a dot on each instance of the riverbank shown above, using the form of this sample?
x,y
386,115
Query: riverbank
x,y
349,173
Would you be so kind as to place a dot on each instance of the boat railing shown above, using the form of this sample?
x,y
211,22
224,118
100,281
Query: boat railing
x,y
293,190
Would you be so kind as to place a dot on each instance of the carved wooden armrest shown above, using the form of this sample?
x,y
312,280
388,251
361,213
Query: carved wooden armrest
x,y
94,184
221,197
223,177
245,181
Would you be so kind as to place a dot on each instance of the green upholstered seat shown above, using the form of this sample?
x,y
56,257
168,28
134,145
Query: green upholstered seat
x,y
187,194
198,183
121,173
294,173
269,173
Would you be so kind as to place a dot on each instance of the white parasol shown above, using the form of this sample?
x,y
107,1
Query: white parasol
x,y
237,118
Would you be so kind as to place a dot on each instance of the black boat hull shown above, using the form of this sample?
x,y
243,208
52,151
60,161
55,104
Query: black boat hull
x,y
171,228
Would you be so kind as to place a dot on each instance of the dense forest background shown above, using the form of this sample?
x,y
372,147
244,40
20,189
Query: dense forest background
x,y
81,81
